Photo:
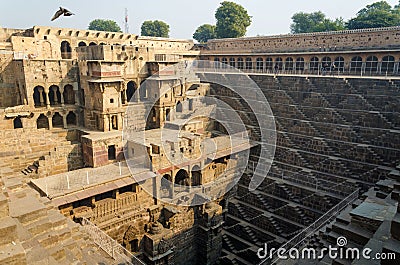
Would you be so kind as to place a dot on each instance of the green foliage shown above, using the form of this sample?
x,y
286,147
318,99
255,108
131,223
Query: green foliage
x,y
314,22
104,25
376,15
232,20
155,28
204,33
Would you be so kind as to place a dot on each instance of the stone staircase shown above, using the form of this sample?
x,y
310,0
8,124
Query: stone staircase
x,y
34,232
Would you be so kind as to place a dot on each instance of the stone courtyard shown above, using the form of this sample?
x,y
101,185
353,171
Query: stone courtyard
x,y
76,190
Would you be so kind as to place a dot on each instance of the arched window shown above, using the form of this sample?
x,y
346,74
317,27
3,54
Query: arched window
x,y
279,63
166,185
387,64
232,62
259,64
66,50
54,95
42,122
224,62
17,123
39,96
130,90
339,63
71,119
217,63
269,63
92,44
240,64
356,64
249,63
314,64
300,64
371,65
69,95
326,62
179,107
82,44
289,64
57,120
182,179
196,176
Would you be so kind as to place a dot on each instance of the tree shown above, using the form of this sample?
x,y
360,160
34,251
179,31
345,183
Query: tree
x,y
377,15
104,25
155,28
315,22
232,20
204,33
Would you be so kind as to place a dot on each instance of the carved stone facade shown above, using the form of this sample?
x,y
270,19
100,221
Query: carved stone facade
x,y
64,95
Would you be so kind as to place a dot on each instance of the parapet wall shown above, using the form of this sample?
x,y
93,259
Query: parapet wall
x,y
382,38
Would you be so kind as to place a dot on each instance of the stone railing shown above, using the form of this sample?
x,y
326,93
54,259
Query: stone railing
x,y
109,245
297,241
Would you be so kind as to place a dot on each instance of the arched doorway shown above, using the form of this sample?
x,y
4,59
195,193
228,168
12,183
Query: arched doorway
x,y
57,120
371,65
42,122
356,64
387,64
92,44
17,123
224,63
289,64
269,63
259,64
182,179
66,51
300,64
196,176
240,63
69,95
279,63
82,44
232,62
249,64
130,90
339,63
166,186
71,119
39,96
54,95
179,107
314,64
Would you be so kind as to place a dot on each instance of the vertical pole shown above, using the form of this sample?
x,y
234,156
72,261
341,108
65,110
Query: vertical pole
x,y
68,181
120,169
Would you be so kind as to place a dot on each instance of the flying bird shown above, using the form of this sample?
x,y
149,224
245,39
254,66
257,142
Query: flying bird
x,y
60,12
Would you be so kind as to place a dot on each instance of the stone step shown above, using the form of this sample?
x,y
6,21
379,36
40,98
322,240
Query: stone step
x,y
13,254
8,232
51,238
27,209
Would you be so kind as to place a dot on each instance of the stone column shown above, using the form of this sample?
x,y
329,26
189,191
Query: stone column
x,y
62,97
50,120
40,90
65,121
47,100
56,99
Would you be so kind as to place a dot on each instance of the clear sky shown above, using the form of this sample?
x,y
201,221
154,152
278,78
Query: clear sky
x,y
183,16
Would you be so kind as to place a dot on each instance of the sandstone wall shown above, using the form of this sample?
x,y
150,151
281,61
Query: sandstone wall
x,y
388,38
